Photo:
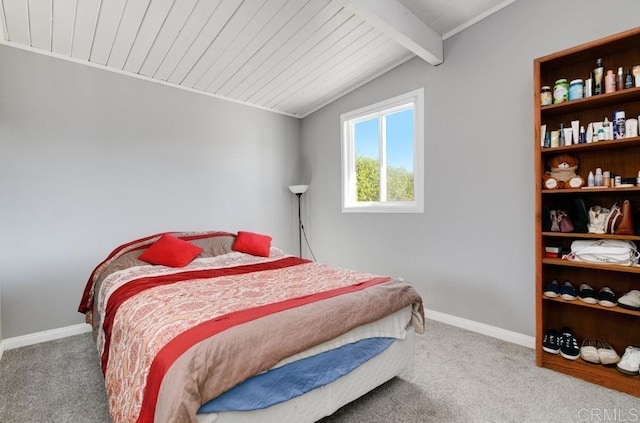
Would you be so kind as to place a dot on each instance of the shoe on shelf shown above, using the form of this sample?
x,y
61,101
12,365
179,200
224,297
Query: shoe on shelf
x,y
587,294
630,300
552,289
568,292
569,346
607,298
551,341
630,362
607,354
589,352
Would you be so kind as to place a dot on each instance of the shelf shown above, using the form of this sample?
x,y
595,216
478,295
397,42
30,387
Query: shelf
x,y
602,100
618,325
579,303
590,236
588,190
593,146
609,267
595,373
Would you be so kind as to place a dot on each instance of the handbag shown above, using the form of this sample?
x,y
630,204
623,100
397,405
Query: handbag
x,y
605,251
625,226
565,222
560,221
597,219
613,219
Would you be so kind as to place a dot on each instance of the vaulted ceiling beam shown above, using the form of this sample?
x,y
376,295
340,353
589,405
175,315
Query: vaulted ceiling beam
x,y
400,24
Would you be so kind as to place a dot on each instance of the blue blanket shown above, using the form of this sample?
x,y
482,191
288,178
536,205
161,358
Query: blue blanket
x,y
294,379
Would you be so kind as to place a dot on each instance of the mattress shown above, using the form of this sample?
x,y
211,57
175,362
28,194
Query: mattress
x,y
324,401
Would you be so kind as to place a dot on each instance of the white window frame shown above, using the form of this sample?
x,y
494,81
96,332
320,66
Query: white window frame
x,y
350,204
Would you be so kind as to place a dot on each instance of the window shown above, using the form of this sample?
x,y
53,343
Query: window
x,y
383,156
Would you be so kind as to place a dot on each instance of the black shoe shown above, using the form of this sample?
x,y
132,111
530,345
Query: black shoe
x,y
569,348
551,342
552,289
587,294
568,292
607,298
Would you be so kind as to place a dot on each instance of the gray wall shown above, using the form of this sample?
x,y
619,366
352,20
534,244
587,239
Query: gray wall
x,y
471,254
90,159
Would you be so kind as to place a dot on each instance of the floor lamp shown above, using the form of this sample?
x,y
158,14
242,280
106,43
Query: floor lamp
x,y
298,190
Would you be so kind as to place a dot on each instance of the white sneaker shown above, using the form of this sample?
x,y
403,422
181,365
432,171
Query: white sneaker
x,y
630,300
607,354
630,362
589,352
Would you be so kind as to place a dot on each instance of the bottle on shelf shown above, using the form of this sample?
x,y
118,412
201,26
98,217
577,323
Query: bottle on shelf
x,y
620,79
588,86
628,80
606,128
618,124
599,178
598,78
610,82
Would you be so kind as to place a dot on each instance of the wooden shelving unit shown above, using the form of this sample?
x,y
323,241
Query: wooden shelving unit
x,y
618,326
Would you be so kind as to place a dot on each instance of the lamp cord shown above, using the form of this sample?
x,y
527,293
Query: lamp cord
x,y
307,241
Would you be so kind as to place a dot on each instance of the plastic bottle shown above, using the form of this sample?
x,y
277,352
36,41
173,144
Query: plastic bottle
x,y
562,140
560,91
618,124
606,127
601,134
546,97
591,180
588,86
598,78
628,80
583,136
610,82
599,179
576,89
620,79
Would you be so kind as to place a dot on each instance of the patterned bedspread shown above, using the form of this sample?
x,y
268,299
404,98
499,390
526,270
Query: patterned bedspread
x,y
171,339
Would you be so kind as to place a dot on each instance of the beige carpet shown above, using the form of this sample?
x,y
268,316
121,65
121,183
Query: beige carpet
x,y
457,376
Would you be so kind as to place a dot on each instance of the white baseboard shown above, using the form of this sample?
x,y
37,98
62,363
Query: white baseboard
x,y
47,335
473,326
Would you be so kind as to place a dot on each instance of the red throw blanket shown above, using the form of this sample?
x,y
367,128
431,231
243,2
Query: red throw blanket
x,y
171,339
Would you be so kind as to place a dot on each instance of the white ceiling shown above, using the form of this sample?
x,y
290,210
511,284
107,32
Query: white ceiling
x,y
289,56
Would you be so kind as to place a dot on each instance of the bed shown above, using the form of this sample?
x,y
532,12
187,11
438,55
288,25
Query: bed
x,y
224,328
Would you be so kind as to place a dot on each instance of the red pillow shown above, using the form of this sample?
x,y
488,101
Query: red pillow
x,y
170,251
254,244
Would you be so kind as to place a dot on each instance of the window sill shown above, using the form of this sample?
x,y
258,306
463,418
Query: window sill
x,y
384,208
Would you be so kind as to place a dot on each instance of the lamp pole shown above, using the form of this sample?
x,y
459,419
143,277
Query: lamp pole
x,y
299,194
298,190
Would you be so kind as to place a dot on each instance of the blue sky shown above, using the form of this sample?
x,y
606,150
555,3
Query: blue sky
x,y
399,139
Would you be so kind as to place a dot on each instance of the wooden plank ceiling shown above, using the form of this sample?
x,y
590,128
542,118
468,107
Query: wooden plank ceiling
x,y
289,56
